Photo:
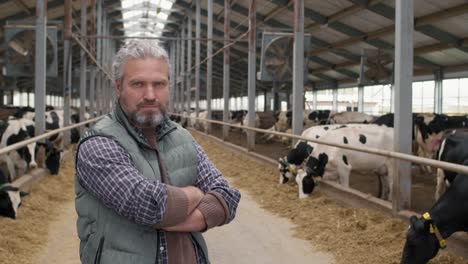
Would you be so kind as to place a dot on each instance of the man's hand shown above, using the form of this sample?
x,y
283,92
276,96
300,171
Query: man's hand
x,y
195,222
194,196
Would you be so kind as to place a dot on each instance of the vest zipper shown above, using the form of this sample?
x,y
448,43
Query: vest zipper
x,y
97,258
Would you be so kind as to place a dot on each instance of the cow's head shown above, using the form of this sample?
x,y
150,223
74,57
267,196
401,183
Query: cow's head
x,y
288,165
53,156
421,245
306,178
287,170
10,201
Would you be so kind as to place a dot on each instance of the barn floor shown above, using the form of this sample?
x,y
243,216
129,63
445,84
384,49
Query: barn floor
x,y
273,225
423,185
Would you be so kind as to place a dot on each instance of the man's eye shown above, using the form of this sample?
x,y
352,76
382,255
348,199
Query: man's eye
x,y
137,84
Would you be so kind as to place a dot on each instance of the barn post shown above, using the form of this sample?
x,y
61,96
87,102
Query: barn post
x,y
197,57
404,27
315,100
361,98
40,66
189,61
209,64
298,68
173,74
251,74
83,65
226,66
438,91
182,69
335,99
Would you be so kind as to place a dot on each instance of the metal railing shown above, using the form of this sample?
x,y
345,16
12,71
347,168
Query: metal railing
x,y
391,154
45,135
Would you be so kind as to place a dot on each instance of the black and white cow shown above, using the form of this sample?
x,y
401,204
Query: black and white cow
x,y
336,164
287,165
14,131
454,143
320,117
10,200
299,155
351,118
427,234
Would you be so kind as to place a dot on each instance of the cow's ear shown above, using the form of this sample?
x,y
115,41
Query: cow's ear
x,y
323,159
419,224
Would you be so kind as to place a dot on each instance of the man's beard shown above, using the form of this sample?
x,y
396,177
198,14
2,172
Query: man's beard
x,y
148,118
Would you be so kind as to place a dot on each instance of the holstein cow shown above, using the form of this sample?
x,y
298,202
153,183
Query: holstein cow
x,y
427,234
320,117
10,200
454,143
14,131
283,123
351,117
315,132
333,163
287,166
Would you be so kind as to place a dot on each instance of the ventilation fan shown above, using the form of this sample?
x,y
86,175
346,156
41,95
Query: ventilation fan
x,y
20,52
276,62
376,67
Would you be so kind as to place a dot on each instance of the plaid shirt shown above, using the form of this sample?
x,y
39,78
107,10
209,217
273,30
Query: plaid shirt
x,y
105,169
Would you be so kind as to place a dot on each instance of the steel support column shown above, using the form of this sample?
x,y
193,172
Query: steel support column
x,y
92,92
298,68
173,78
275,95
335,100
251,73
197,57
100,74
209,64
178,74
404,20
314,100
189,62
361,99
83,65
438,91
40,66
182,69
226,67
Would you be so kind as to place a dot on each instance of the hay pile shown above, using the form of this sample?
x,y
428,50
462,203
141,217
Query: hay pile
x,y
351,235
22,238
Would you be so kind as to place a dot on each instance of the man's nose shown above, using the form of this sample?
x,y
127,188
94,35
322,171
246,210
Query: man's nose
x,y
150,94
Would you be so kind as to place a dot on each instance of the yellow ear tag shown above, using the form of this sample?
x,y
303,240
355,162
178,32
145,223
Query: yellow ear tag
x,y
291,170
431,229
442,243
427,216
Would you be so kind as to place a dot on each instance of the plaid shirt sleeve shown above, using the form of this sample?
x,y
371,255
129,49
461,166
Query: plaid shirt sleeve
x,y
105,169
209,179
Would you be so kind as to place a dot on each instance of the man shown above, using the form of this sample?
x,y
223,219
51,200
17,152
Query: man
x,y
144,188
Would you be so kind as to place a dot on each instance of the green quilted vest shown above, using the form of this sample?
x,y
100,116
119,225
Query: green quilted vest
x,y
107,237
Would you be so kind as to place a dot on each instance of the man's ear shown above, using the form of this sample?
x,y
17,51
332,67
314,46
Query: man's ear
x,y
118,87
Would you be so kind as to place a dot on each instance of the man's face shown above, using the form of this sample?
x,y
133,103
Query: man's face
x,y
143,91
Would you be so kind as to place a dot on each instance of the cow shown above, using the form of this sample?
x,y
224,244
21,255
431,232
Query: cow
x,y
315,132
256,121
51,156
10,200
454,143
287,165
14,131
350,117
454,122
334,163
283,123
320,117
426,133
427,234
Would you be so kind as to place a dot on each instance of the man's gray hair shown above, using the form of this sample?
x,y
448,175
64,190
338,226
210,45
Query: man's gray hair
x,y
137,49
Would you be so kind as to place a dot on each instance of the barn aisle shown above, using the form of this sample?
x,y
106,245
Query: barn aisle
x,y
258,236
62,242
